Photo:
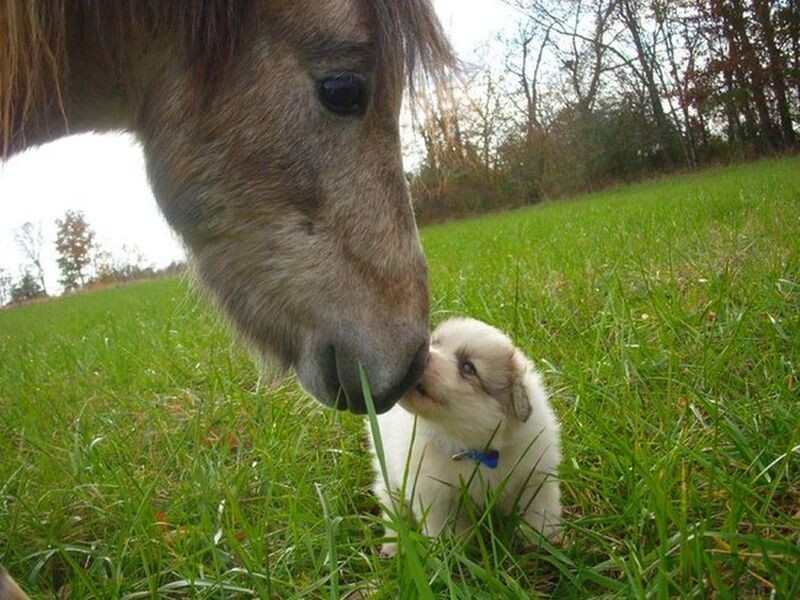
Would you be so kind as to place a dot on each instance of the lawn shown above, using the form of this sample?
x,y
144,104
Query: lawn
x,y
140,455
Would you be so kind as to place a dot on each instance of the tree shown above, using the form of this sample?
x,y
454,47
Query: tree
x,y
27,288
596,91
74,243
647,57
30,241
5,287
763,12
109,268
523,61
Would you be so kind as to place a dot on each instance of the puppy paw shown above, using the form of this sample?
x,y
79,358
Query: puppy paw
x,y
547,524
389,549
554,533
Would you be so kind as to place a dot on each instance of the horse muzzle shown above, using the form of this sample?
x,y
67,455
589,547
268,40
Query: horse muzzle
x,y
334,375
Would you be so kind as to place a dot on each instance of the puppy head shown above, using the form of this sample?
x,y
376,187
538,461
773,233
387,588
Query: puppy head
x,y
474,380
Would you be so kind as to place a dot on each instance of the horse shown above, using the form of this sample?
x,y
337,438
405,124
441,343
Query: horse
x,y
270,131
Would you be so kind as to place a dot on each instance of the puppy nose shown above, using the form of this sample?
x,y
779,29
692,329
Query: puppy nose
x,y
433,354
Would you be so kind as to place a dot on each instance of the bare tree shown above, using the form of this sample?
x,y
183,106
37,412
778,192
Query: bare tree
x,y
525,53
648,60
484,114
585,60
581,34
672,29
109,267
523,61
30,240
5,287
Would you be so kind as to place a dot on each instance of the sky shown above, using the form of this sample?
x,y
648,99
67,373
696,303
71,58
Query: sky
x,y
103,175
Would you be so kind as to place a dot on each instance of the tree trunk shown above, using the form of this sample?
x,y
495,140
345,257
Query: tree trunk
x,y
688,141
631,19
735,131
756,75
794,33
761,8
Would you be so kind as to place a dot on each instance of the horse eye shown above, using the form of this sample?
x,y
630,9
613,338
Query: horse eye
x,y
343,94
467,368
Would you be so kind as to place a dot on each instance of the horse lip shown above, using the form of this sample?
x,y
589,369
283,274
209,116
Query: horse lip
x,y
336,396
339,396
341,400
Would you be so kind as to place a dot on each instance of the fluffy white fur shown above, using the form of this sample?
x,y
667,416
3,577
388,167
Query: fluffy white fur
x,y
502,405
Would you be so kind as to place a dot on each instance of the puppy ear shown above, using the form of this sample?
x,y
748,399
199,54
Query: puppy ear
x,y
520,400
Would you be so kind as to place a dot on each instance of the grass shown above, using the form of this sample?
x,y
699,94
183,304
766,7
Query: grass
x,y
140,458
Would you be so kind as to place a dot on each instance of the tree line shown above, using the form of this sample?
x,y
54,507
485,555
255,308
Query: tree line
x,y
584,93
81,260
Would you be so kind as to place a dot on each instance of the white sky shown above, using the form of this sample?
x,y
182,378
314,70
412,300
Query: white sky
x,y
104,176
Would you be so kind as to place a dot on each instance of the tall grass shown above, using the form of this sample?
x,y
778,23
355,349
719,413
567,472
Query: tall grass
x,y
139,457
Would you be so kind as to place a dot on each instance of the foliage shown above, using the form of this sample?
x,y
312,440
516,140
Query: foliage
x,y
74,243
594,92
27,288
142,456
112,269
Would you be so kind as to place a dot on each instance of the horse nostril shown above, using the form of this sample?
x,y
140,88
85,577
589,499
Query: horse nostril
x,y
410,379
384,396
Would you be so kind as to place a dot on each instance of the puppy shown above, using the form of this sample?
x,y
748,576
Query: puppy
x,y
482,418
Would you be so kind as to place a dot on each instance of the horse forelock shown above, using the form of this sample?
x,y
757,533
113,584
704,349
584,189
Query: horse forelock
x,y
35,36
410,40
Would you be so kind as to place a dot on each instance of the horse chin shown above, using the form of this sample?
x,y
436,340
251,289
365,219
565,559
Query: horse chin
x,y
316,371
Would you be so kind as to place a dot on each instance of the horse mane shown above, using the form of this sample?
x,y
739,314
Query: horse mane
x,y
34,38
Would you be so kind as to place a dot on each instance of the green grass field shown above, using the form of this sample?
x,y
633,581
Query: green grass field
x,y
139,457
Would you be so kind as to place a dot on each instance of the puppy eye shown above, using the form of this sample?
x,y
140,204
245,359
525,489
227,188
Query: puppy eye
x,y
467,368
343,94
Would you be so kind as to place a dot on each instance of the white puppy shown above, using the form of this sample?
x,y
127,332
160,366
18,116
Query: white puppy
x,y
482,418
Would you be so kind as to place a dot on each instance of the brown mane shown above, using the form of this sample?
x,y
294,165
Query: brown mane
x,y
35,36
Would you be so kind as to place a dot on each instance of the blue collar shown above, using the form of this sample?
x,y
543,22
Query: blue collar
x,y
489,459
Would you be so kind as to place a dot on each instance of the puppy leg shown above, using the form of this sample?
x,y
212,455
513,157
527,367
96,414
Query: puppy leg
x,y
435,519
388,548
462,525
543,511
9,590
435,523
